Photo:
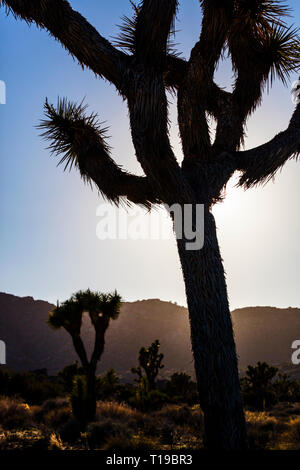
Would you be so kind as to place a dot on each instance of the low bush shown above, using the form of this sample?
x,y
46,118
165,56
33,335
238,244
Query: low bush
x,y
14,414
99,433
118,411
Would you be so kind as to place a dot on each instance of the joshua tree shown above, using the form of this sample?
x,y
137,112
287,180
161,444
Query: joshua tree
x,y
101,309
150,361
143,66
258,385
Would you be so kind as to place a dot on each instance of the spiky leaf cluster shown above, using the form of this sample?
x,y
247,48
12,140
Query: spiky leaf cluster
x,y
71,131
259,16
260,34
126,38
69,314
282,51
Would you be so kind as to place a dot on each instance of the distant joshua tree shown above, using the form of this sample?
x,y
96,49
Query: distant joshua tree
x,y
258,385
101,308
143,66
150,363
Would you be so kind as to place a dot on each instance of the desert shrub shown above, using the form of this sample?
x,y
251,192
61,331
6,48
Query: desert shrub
x,y
125,393
52,413
99,432
32,388
135,443
69,431
41,411
147,399
286,389
295,429
32,439
176,414
149,424
14,414
290,440
262,430
181,389
108,386
180,425
119,412
57,417
54,404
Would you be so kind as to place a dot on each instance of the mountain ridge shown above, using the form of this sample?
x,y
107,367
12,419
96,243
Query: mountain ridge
x,y
262,333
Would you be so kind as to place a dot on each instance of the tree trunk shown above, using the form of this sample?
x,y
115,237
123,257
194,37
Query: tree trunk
x,y
213,342
91,396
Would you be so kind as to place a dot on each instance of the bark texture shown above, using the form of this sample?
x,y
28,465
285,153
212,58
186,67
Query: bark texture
x,y
213,342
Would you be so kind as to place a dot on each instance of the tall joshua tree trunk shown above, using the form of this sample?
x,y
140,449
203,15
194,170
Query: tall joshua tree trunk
x,y
260,46
213,342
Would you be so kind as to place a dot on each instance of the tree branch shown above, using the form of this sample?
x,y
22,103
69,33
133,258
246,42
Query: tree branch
x,y
80,349
253,68
152,31
194,93
99,343
148,109
217,17
261,47
175,70
147,101
81,140
111,180
75,34
260,164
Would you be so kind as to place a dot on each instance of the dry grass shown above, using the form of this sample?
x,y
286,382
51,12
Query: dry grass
x,y
120,427
182,415
55,442
33,439
120,411
136,443
290,439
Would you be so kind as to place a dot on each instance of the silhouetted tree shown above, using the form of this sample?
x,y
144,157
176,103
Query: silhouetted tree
x,y
260,46
101,308
286,388
258,385
150,362
108,386
181,388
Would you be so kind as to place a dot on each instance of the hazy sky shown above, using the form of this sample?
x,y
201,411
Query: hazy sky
x,y
49,246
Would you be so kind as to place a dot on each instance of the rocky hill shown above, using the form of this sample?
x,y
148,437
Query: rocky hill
x,y
262,333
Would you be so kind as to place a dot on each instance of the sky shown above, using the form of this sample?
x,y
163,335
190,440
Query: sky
x,y
48,241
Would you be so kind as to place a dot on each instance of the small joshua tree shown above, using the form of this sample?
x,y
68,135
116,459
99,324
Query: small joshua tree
x,y
101,308
150,360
